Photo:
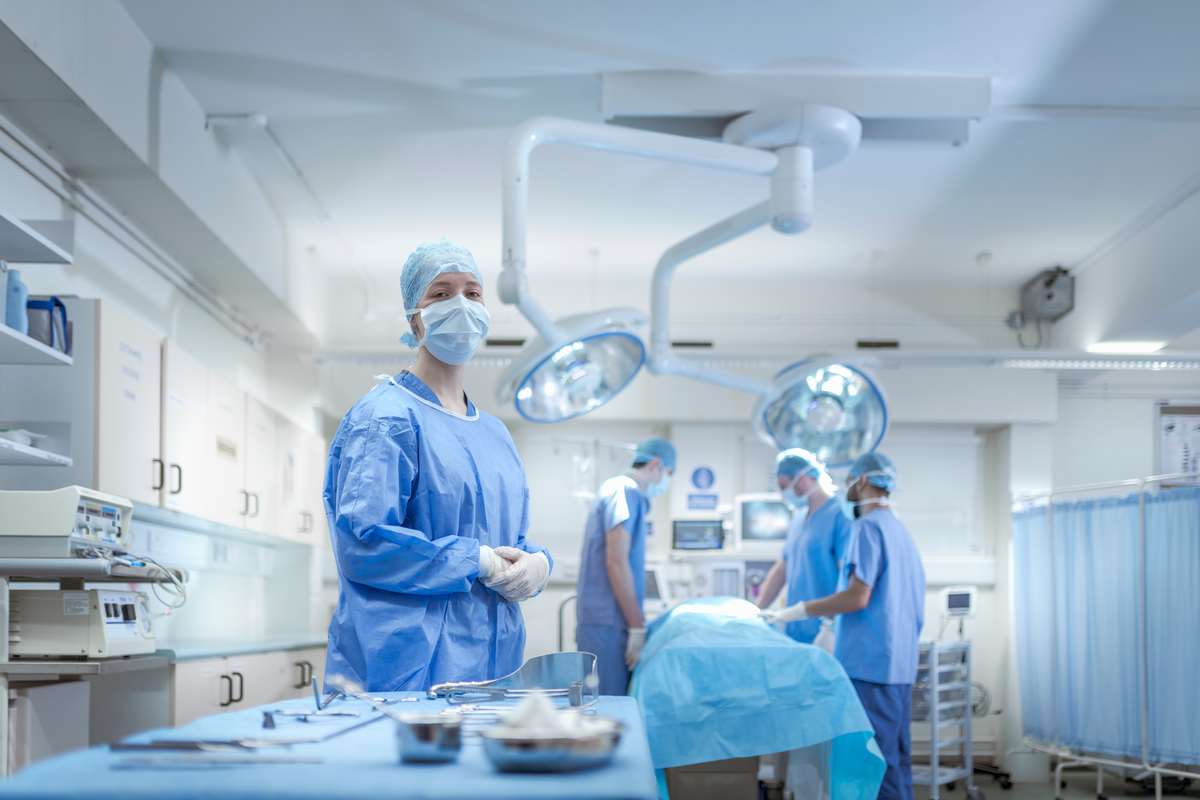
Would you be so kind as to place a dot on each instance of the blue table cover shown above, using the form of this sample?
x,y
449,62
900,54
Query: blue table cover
x,y
715,682
361,764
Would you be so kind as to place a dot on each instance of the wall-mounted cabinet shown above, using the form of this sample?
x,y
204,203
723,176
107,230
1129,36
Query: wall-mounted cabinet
x,y
139,417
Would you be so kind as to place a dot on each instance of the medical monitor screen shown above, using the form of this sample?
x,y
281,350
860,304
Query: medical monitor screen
x,y
764,520
652,592
688,534
958,601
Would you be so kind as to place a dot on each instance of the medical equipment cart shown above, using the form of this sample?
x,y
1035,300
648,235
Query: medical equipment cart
x,y
942,698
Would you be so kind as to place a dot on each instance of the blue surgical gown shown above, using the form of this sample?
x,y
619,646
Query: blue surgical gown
x,y
879,643
601,628
812,555
411,492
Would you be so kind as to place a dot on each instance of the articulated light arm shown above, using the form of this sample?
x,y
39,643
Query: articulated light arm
x,y
514,285
661,361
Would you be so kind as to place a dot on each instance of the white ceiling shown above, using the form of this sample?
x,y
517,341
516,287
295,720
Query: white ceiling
x,y
397,111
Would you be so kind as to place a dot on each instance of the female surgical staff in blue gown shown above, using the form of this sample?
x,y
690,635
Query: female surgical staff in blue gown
x,y
816,539
428,507
883,609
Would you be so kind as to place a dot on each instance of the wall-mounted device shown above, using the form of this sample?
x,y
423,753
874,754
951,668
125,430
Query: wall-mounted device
x,y
55,524
760,523
756,575
691,534
1047,297
958,602
97,623
719,578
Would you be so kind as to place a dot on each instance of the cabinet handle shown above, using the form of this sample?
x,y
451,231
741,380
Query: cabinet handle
x,y
228,702
179,475
255,496
305,674
161,474
241,688
304,516
245,503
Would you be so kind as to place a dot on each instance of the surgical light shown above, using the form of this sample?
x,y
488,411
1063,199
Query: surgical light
x,y
836,411
594,358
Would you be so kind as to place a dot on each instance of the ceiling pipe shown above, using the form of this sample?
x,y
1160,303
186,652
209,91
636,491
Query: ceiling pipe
x,y
514,284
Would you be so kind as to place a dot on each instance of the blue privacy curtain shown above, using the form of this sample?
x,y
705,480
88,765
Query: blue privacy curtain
x,y
1094,694
1173,624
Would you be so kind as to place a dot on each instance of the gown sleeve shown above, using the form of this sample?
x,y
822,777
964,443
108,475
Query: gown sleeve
x,y
370,484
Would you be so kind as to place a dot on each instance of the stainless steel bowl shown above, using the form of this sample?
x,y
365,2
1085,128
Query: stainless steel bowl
x,y
428,738
533,751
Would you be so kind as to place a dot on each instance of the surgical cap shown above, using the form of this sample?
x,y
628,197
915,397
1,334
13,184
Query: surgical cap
x,y
878,468
790,463
656,447
427,262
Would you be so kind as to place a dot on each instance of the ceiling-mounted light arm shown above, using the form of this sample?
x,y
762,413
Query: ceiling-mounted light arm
x,y
661,361
514,285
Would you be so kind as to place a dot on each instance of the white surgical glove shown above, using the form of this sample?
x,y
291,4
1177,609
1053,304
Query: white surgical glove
x,y
489,562
633,647
790,614
825,637
526,576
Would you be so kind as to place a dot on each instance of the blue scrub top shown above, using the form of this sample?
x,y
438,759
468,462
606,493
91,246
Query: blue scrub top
x,y
619,501
812,554
411,492
879,643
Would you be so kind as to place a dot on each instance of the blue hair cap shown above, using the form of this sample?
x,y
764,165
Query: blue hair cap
x,y
427,262
651,448
878,468
793,462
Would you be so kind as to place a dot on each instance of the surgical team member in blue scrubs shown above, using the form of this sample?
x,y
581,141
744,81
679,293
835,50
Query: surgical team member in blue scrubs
x,y
612,575
883,609
428,506
815,543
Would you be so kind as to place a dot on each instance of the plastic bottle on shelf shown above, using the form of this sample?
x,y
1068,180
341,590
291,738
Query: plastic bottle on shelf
x,y
16,295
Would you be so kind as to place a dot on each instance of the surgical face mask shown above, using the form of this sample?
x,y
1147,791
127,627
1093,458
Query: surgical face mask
x,y
797,503
453,329
659,487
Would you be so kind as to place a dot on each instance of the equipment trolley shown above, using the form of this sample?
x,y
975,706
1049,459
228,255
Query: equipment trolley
x,y
942,698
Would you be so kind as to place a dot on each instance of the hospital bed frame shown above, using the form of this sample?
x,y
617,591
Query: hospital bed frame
x,y
1065,756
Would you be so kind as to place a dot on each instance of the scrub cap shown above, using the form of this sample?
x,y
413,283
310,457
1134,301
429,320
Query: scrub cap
x,y
790,463
427,262
878,469
656,447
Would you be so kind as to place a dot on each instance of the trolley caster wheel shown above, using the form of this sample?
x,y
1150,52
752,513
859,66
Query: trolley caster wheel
x,y
950,786
1101,797
975,794
1008,785
1064,784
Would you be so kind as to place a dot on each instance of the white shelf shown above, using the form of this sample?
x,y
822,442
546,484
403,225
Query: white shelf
x,y
17,348
20,243
20,455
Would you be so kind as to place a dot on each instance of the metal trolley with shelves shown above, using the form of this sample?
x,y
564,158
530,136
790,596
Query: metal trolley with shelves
x,y
942,698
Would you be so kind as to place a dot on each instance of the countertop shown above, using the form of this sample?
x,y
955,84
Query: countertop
x,y
196,649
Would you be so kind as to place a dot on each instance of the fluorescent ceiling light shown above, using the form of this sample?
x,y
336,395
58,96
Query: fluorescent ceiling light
x,y
1126,348
1095,363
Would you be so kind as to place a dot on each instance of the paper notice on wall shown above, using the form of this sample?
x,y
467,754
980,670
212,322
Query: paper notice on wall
x,y
1179,443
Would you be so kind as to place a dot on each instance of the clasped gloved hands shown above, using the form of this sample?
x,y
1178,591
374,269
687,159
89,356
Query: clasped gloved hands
x,y
790,614
514,574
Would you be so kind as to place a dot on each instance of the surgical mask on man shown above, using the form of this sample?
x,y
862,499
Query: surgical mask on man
x,y
659,487
852,506
453,328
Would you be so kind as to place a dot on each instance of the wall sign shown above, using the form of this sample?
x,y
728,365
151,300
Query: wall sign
x,y
703,478
1178,442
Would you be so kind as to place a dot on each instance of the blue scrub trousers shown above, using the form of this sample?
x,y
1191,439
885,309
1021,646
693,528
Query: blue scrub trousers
x,y
889,707
608,645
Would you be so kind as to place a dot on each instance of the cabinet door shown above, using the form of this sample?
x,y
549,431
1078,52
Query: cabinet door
x,y
290,521
225,496
197,690
313,483
128,369
184,415
314,660
259,478
262,678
